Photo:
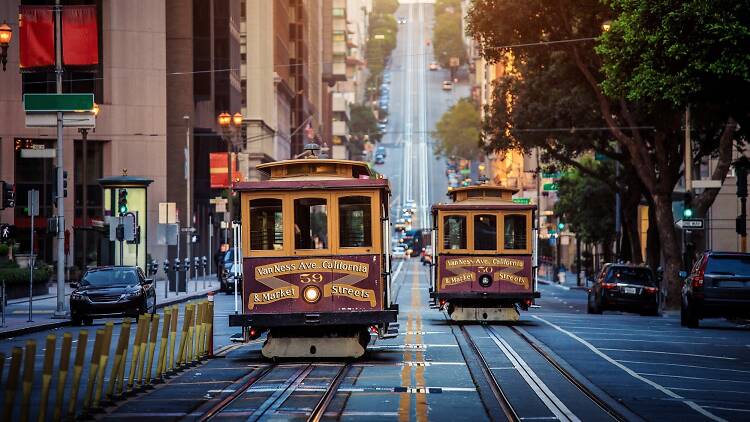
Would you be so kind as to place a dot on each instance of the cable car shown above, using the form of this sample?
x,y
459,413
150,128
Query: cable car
x,y
315,243
485,255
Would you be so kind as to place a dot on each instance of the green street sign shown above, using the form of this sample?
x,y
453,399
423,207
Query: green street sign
x,y
600,157
553,175
521,200
51,103
550,187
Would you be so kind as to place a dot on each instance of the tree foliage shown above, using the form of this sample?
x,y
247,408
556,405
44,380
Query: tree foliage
x,y
458,131
554,43
447,38
387,7
362,122
585,204
382,41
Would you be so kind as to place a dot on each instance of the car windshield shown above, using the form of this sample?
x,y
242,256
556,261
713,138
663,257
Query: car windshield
x,y
728,265
641,276
110,277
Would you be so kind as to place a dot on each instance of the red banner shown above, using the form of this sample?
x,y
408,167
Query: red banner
x,y
37,36
218,170
80,36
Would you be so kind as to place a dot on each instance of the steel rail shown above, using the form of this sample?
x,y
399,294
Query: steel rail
x,y
508,410
573,380
320,408
226,401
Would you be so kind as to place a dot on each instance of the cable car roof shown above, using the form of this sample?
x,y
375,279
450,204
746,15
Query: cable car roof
x,y
482,197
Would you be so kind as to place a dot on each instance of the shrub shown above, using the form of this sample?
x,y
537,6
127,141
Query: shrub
x,y
21,275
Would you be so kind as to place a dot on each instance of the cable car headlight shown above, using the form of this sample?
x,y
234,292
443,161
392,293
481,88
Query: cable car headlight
x,y
485,280
311,294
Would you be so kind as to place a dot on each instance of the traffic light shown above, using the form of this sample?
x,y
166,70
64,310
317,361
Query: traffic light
x,y
561,226
122,201
687,213
65,184
8,195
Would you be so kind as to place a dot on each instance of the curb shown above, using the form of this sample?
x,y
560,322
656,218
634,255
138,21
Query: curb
x,y
66,322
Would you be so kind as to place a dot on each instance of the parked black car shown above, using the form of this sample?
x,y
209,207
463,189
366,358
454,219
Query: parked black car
x,y
718,286
226,281
624,287
112,291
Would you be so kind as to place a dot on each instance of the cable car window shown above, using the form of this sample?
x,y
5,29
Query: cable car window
x,y
355,222
515,232
454,232
310,223
266,227
485,232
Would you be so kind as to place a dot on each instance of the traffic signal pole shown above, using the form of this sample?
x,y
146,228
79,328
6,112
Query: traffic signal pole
x,y
60,312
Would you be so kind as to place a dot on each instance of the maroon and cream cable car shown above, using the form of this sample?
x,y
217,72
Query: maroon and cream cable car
x,y
485,253
315,258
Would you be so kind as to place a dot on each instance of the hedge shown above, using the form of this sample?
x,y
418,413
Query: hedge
x,y
21,275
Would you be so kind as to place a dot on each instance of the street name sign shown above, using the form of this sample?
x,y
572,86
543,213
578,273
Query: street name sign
x,y
52,103
521,200
690,223
547,187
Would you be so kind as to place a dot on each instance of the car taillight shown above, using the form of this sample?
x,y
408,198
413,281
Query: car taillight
x,y
609,285
651,290
698,279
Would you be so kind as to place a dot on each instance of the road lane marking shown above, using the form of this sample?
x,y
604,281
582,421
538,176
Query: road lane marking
x,y
654,341
550,400
659,352
691,378
693,405
685,366
701,390
729,409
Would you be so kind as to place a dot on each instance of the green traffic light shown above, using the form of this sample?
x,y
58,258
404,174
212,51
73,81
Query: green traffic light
x,y
560,226
687,213
123,209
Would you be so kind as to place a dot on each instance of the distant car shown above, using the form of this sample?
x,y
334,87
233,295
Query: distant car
x,y
624,287
380,150
399,252
384,119
411,205
718,286
434,66
401,20
407,211
379,159
400,225
447,86
111,291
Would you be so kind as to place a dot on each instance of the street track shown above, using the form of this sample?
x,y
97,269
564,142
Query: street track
x,y
543,391
280,393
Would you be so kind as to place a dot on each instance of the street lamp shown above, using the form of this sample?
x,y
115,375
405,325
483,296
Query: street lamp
x,y
6,34
84,131
226,121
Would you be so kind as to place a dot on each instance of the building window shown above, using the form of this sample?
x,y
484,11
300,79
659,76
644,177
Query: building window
x,y
454,232
266,226
355,222
485,232
310,223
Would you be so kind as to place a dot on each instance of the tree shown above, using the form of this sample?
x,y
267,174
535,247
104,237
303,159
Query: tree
x,y
458,131
447,39
362,122
648,131
386,7
595,222
449,6
382,41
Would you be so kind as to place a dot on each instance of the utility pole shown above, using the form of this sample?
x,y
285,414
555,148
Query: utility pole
x,y
688,186
741,167
618,208
188,208
60,312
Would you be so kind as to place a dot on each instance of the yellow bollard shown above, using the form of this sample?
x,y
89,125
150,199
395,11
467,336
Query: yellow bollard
x,y
152,346
175,314
103,359
119,385
201,331
210,340
11,386
183,338
83,336
163,346
204,319
49,357
136,350
119,361
67,343
196,331
28,379
142,349
191,334
93,369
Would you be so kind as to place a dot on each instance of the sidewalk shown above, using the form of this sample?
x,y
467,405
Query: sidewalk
x,y
570,280
43,307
